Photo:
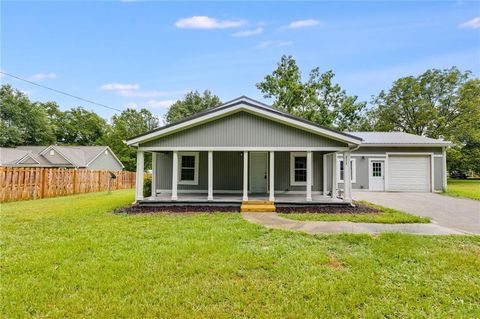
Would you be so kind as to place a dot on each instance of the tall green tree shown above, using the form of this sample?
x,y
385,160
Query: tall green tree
x,y
23,122
79,126
437,104
192,103
318,99
427,105
126,125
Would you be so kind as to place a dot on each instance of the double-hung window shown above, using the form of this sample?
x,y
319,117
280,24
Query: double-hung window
x,y
188,168
298,168
340,170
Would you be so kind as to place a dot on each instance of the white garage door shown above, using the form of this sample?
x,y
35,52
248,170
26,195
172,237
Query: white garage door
x,y
409,173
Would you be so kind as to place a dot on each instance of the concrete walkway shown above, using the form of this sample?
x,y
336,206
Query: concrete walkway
x,y
451,212
272,220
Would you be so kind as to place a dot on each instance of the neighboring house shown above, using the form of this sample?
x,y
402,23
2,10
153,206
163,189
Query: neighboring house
x,y
90,157
245,149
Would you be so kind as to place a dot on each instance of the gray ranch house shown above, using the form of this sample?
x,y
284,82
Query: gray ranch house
x,y
55,156
245,150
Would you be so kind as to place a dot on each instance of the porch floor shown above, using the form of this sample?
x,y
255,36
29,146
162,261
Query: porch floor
x,y
236,199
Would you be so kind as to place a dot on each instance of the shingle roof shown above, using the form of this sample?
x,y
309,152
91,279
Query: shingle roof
x,y
11,155
79,156
399,138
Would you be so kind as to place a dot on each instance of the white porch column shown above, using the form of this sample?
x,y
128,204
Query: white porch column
x,y
210,175
139,176
444,167
245,175
174,175
272,178
347,178
154,174
309,176
334,175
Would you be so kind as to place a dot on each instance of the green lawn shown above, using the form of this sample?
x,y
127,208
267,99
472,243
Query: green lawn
x,y
71,257
464,188
387,216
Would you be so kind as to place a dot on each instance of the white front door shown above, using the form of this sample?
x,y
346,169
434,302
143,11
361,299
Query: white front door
x,y
258,172
377,175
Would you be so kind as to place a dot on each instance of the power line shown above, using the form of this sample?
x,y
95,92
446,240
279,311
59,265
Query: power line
x,y
61,92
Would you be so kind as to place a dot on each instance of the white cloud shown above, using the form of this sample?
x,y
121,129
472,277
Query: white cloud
x,y
248,33
133,90
139,93
204,22
268,44
119,86
303,24
155,104
472,24
42,76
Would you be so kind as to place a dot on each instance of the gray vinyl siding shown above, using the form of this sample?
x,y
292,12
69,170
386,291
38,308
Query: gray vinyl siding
x,y
374,152
242,130
282,172
105,162
438,173
228,172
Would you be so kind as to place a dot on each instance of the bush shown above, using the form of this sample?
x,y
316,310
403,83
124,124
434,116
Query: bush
x,y
147,185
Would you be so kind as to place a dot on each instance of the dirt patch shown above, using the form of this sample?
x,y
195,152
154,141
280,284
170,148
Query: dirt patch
x,y
187,209
335,263
359,208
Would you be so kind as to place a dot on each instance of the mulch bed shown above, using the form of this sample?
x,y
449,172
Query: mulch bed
x,y
187,209
359,208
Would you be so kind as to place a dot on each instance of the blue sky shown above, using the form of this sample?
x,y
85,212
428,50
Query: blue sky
x,y
149,53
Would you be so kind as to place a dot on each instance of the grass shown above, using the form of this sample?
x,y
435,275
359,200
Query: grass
x,y
468,188
387,216
71,257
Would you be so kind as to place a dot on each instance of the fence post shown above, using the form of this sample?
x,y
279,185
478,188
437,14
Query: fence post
x,y
42,187
74,187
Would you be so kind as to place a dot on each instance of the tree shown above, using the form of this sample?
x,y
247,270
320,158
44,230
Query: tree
x,y
79,126
192,103
126,125
22,122
437,104
318,99
465,154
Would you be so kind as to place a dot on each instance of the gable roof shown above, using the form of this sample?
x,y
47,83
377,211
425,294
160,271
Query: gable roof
x,y
397,139
247,104
77,156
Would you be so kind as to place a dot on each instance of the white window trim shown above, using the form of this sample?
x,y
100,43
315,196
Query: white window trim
x,y
354,170
292,168
195,171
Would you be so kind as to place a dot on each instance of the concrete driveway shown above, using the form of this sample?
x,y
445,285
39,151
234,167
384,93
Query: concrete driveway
x,y
455,213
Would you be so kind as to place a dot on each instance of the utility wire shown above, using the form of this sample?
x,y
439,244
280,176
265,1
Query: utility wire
x,y
61,92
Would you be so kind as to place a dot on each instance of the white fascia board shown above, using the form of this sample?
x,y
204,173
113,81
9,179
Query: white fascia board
x,y
406,144
25,157
243,107
103,150
58,151
244,148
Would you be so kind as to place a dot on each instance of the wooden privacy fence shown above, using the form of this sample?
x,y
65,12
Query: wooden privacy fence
x,y
20,183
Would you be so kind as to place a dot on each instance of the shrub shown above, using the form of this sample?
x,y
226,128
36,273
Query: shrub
x,y
147,185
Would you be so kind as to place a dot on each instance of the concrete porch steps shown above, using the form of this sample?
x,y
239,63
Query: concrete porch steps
x,y
259,206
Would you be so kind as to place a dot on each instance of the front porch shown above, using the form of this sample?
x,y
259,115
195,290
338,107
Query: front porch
x,y
223,199
230,177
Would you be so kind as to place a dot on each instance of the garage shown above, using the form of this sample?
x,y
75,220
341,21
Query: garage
x,y
409,173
